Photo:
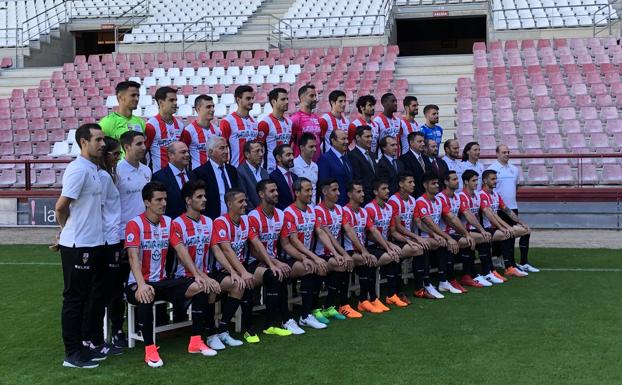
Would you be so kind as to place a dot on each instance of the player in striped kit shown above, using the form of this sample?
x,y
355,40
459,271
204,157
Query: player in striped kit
x,y
381,214
366,105
267,222
408,123
490,204
299,230
335,119
389,125
276,128
239,127
201,129
403,205
147,240
164,128
469,208
357,224
331,219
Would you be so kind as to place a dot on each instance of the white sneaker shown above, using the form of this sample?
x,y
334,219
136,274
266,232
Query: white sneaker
x,y
446,286
482,281
312,322
228,340
491,278
293,327
215,343
209,352
432,290
528,268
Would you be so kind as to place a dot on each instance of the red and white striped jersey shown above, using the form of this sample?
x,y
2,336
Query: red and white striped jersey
x,y
332,220
275,132
198,138
268,229
197,237
237,235
238,130
329,123
301,223
360,221
158,135
403,209
382,217
406,127
494,201
389,127
470,203
375,132
152,241
424,207
453,204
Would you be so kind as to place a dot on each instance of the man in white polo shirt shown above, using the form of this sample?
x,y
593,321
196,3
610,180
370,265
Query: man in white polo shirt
x,y
304,166
507,182
79,214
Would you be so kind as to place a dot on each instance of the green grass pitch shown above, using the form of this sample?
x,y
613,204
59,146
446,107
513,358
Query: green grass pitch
x,y
556,327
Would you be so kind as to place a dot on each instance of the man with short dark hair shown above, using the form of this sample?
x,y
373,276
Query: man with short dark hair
x,y
283,175
415,160
389,125
239,126
335,119
276,128
250,171
201,129
430,128
366,106
81,240
304,166
174,176
389,166
122,120
164,128
335,163
439,167
363,163
408,123
304,120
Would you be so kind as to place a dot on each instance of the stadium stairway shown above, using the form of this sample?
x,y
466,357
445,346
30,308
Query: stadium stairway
x,y
24,78
256,29
432,79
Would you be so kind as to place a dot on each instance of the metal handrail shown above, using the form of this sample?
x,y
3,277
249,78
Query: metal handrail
x,y
46,21
130,23
18,43
192,34
606,18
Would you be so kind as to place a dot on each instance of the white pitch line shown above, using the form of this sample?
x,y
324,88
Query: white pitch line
x,y
31,263
579,269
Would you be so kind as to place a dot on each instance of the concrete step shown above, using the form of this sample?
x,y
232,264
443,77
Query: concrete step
x,y
459,70
431,79
434,60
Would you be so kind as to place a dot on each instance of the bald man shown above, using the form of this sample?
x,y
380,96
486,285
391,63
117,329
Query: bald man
x,y
174,176
453,159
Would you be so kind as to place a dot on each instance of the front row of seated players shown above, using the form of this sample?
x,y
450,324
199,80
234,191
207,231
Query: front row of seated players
x,y
238,253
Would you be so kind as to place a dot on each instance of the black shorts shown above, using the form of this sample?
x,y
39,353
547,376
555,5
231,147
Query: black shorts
x,y
219,275
170,289
375,251
456,237
490,230
252,266
506,218
114,255
399,243
326,257
289,261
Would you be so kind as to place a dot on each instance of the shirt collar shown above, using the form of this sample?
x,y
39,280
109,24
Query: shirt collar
x,y
416,155
303,163
336,152
364,151
214,164
175,170
253,169
282,170
389,157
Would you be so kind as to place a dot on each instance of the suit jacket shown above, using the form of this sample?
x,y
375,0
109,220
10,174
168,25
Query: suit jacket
x,y
329,166
441,172
248,182
363,171
208,175
285,194
175,204
412,164
385,170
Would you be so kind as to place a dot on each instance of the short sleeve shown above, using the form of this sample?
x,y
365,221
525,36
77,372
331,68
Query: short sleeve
x,y
347,218
369,224
264,128
176,237
445,209
253,224
370,213
393,205
132,234
320,218
421,210
73,181
107,125
351,132
289,225
484,201
225,129
221,233
252,232
464,204
185,137
501,203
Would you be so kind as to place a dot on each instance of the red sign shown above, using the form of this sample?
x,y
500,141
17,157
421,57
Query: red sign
x,y
440,13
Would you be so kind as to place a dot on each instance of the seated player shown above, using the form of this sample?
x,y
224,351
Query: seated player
x,y
298,230
356,225
428,213
232,233
267,222
469,203
382,216
147,240
403,205
491,204
329,216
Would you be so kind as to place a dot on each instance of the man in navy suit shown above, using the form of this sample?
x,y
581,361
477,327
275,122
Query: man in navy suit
x,y
389,167
364,167
250,172
219,176
334,164
174,176
283,176
416,161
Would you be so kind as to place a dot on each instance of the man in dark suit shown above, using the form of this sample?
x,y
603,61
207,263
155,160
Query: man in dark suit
x,y
389,166
219,176
416,161
364,167
334,164
439,167
174,176
283,176
250,172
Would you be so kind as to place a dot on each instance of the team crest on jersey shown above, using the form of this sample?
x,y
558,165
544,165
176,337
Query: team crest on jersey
x,y
260,134
424,211
222,233
85,258
156,255
130,237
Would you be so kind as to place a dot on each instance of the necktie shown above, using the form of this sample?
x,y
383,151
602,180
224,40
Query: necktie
x,y
289,182
345,164
422,163
435,165
368,156
182,176
394,164
224,178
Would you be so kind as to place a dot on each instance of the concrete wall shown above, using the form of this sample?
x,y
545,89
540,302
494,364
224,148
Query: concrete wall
x,y
8,211
572,215
54,50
